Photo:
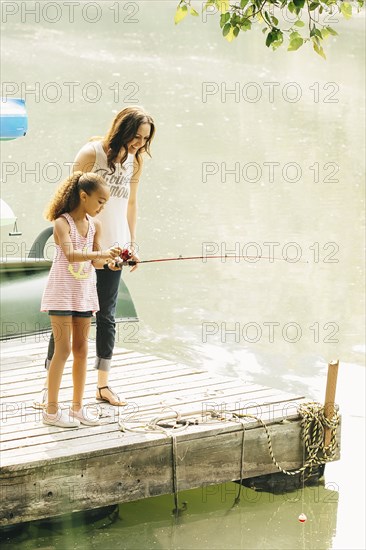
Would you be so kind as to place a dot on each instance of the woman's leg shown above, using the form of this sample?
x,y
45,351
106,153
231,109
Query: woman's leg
x,y
50,351
41,399
107,288
61,328
80,333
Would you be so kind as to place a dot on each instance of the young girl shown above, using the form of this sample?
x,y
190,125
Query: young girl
x,y
70,296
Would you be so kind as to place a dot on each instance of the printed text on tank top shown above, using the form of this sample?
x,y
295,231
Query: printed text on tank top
x,y
113,217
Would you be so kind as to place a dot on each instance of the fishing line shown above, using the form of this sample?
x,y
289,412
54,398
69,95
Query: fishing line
x,y
251,259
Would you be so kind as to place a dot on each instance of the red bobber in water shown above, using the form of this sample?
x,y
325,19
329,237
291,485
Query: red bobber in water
x,y
302,518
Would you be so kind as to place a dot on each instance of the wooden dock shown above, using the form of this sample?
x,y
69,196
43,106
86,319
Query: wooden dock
x,y
48,471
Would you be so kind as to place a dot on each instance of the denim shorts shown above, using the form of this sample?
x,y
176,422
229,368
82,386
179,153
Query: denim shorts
x,y
67,312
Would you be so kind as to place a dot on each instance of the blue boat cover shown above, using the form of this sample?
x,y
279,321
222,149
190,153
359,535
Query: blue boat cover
x,y
13,118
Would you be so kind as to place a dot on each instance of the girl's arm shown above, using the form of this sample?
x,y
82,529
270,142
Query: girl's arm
x,y
62,237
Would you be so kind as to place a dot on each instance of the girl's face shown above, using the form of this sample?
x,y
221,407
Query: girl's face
x,y
140,139
95,202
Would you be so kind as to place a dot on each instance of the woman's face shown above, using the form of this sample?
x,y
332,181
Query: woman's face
x,y
140,139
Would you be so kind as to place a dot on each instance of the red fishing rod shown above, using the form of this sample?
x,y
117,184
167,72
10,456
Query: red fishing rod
x,y
126,261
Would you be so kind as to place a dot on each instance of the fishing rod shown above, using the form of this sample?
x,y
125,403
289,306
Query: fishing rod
x,y
126,261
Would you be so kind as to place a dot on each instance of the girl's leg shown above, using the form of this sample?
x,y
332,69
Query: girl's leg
x,y
61,328
80,333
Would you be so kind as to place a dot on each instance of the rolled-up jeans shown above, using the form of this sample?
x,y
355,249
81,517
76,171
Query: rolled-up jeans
x,y
107,289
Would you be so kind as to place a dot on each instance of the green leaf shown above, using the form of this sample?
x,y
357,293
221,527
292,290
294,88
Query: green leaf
x,y
231,34
294,35
226,29
331,31
274,20
299,23
313,6
299,3
291,7
224,18
274,38
319,50
266,16
249,11
180,14
246,25
271,36
208,4
236,31
194,12
295,44
325,33
346,10
243,3
277,43
223,5
316,32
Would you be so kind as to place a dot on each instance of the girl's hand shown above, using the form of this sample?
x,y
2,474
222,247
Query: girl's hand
x,y
112,253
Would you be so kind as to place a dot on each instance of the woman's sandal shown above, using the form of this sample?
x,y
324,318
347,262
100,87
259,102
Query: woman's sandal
x,y
117,402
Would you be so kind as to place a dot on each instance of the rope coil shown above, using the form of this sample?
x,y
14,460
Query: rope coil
x,y
313,424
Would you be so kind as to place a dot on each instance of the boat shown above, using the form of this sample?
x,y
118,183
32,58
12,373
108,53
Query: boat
x,y
22,283
13,118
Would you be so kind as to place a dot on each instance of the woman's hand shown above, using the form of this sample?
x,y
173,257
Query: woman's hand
x,y
135,258
113,266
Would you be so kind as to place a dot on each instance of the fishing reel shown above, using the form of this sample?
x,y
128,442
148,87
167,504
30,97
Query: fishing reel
x,y
125,256
123,259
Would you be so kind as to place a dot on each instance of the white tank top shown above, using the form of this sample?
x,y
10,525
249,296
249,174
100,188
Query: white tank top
x,y
113,217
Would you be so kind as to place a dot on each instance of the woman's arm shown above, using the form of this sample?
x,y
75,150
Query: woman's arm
x,y
85,159
132,208
62,237
100,262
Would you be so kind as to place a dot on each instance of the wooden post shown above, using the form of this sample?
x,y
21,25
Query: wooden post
x,y
330,396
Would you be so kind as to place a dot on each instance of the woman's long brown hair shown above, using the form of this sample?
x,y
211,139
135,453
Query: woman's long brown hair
x,y
123,130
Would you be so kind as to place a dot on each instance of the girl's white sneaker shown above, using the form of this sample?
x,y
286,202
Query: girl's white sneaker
x,y
62,419
86,415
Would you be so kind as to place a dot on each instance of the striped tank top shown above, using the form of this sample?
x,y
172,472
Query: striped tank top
x,y
72,286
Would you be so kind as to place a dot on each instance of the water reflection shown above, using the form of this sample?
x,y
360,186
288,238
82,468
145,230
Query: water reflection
x,y
259,521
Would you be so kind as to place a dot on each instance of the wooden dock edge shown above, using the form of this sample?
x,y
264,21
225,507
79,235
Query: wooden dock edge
x,y
126,473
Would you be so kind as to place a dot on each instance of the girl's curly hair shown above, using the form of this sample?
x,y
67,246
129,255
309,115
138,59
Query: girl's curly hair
x,y
123,130
67,196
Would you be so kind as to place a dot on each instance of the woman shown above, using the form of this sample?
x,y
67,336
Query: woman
x,y
117,157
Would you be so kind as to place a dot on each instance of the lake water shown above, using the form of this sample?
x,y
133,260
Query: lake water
x,y
252,147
